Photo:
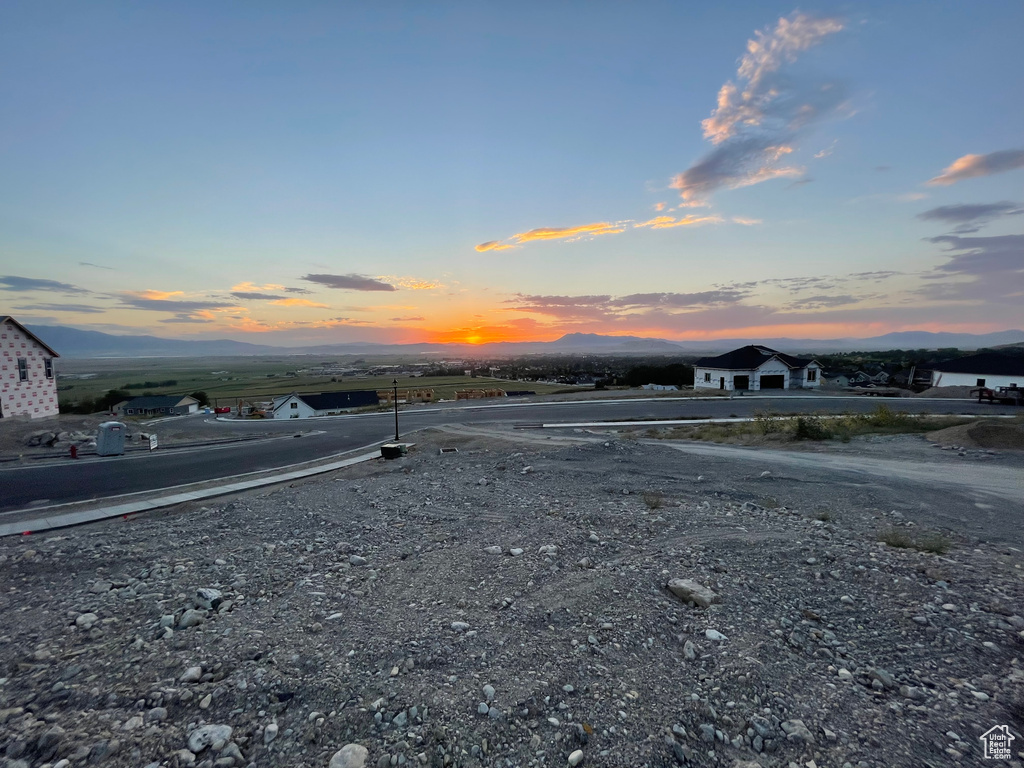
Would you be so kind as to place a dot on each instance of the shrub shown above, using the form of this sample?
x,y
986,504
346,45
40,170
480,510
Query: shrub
x,y
653,499
896,537
900,538
811,428
768,422
935,543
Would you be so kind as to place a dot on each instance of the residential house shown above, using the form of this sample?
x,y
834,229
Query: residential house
x,y
755,368
157,405
296,406
28,385
988,369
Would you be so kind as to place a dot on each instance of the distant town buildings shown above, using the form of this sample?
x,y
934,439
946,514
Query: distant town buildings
x,y
28,384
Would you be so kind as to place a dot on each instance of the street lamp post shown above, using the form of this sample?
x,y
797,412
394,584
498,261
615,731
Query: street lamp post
x,y
394,384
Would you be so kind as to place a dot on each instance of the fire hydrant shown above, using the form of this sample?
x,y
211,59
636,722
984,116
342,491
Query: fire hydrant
x,y
74,451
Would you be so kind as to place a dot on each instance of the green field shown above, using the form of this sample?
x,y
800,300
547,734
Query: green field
x,y
227,379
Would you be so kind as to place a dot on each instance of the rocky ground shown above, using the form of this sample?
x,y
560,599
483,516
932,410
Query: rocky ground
x,y
508,604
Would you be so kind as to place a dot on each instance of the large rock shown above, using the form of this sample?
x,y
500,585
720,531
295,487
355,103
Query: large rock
x,y
350,756
693,592
208,736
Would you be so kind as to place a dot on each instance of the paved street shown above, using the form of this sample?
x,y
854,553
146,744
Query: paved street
x,y
61,481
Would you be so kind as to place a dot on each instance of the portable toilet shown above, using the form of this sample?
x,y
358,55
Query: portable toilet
x,y
110,438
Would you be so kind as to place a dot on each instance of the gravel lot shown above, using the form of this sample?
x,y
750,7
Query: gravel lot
x,y
506,605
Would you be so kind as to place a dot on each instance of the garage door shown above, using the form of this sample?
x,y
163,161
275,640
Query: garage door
x,y
773,382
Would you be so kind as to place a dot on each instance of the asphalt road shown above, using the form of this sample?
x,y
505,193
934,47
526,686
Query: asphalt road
x,y
61,481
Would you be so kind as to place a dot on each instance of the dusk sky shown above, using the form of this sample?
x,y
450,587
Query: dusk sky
x,y
478,171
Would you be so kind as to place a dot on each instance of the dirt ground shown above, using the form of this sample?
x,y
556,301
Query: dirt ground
x,y
503,602
987,434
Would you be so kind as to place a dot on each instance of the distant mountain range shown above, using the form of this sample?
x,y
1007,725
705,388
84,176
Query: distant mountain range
x,y
75,343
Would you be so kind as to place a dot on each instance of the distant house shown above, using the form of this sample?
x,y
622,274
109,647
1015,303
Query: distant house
x,y
157,405
988,369
835,379
755,367
28,385
296,406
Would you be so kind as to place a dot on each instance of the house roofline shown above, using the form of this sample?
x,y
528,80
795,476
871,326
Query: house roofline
x,y
9,319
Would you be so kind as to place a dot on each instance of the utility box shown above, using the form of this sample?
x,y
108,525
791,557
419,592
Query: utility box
x,y
110,438
393,450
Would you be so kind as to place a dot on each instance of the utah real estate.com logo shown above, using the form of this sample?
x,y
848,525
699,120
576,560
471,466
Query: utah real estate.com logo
x,y
997,742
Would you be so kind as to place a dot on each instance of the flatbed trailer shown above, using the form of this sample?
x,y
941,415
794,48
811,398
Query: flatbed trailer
x,y
1001,395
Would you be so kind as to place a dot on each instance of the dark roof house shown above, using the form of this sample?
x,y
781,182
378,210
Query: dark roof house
x,y
150,405
751,356
329,401
756,367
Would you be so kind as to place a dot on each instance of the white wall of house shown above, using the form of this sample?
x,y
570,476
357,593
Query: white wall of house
x,y
807,378
711,378
947,379
292,407
28,383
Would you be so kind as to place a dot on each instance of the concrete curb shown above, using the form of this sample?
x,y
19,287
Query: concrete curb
x,y
742,419
56,519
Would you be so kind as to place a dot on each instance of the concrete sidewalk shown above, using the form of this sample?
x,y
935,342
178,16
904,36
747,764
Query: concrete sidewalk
x,y
18,522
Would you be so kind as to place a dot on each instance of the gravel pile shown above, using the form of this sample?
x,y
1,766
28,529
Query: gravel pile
x,y
599,604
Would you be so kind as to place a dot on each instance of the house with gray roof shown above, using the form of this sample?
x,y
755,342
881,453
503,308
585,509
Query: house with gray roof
x,y
157,405
755,368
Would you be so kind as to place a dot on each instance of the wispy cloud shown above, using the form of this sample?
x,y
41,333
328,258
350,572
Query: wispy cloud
x,y
251,296
165,301
350,282
698,299
667,222
411,283
84,309
298,303
90,264
16,283
986,271
493,245
744,221
971,217
823,302
412,319
554,233
249,287
972,166
759,117
249,290
185,318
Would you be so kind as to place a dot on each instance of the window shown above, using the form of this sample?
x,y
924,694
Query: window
x,y
22,369
812,374
48,362
707,376
981,382
294,405
130,411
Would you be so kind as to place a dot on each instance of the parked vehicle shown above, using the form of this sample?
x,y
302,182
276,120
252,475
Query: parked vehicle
x,y
222,409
